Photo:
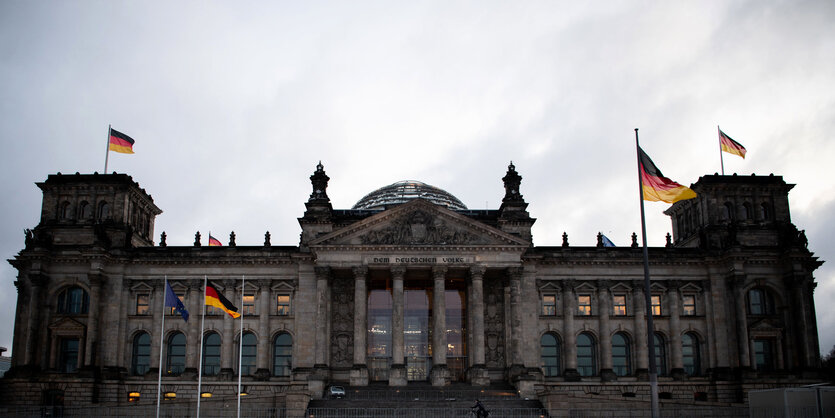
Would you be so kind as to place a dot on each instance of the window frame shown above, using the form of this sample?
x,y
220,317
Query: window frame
x,y
584,309
626,368
660,348
620,309
653,305
592,356
136,355
68,306
212,369
248,361
685,305
287,367
549,308
283,309
147,304
694,368
554,369
169,364
249,308
68,358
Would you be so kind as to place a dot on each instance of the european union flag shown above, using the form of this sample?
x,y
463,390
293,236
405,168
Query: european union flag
x,y
607,242
172,301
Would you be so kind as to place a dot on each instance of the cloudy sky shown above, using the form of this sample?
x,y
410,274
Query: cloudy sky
x,y
232,104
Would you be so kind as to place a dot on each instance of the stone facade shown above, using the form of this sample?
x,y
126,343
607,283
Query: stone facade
x,y
416,291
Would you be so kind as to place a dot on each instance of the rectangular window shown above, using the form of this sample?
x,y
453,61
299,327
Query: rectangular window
x,y
688,305
211,310
549,305
584,305
170,311
656,305
619,306
68,357
282,305
142,304
764,355
249,305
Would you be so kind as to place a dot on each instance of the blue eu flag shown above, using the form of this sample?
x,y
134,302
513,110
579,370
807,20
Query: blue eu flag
x,y
172,301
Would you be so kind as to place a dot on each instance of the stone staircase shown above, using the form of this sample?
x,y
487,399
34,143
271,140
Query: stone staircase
x,y
421,400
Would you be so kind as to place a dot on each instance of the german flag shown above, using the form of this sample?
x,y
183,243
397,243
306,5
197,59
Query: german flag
x,y
216,299
214,242
729,145
120,142
657,187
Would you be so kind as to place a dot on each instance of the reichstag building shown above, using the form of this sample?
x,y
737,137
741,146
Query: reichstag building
x,y
410,285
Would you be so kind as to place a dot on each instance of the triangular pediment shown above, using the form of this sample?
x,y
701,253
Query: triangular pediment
x,y
66,324
419,223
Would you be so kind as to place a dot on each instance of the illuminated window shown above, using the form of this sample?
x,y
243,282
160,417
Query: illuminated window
x,y
583,305
283,305
619,306
206,395
170,396
656,305
249,305
169,310
133,396
688,305
549,305
142,306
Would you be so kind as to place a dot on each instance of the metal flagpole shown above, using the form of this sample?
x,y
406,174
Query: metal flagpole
x,y
721,158
241,343
107,153
161,338
653,373
200,363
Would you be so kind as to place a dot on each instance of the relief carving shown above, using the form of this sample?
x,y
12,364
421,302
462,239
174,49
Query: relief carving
x,y
494,323
420,227
342,322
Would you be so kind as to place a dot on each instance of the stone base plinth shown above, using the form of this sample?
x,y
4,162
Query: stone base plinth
x,y
397,375
478,375
359,375
439,375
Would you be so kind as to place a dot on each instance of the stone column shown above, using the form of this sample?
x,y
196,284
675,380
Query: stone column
x,y
322,303
569,334
36,282
603,298
641,349
478,374
359,372
195,312
738,283
677,370
397,373
262,363
157,298
230,327
440,372
516,363
91,346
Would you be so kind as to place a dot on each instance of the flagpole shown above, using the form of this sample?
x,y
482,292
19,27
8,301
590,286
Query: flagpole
x,y
107,152
241,343
653,373
721,158
200,363
161,338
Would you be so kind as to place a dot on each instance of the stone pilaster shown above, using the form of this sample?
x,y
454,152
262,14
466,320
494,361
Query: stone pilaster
x,y
603,298
397,374
195,311
262,364
227,344
440,372
677,370
569,334
478,375
744,355
322,318
359,372
641,351
91,349
37,282
157,298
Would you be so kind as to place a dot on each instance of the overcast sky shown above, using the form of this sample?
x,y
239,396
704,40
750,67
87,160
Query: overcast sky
x,y
232,104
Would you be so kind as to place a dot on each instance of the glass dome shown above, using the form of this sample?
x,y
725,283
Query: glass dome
x,y
404,191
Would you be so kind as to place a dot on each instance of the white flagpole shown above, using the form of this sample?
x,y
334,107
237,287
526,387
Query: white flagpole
x,y
107,153
241,344
200,363
161,338
721,158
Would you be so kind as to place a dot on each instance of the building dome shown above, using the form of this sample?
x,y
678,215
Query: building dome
x,y
404,191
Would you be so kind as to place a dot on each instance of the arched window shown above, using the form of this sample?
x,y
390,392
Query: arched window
x,y
175,361
760,302
103,212
728,212
586,350
660,354
690,354
211,354
282,354
64,210
621,356
765,213
550,355
85,210
746,211
141,359
248,354
73,300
